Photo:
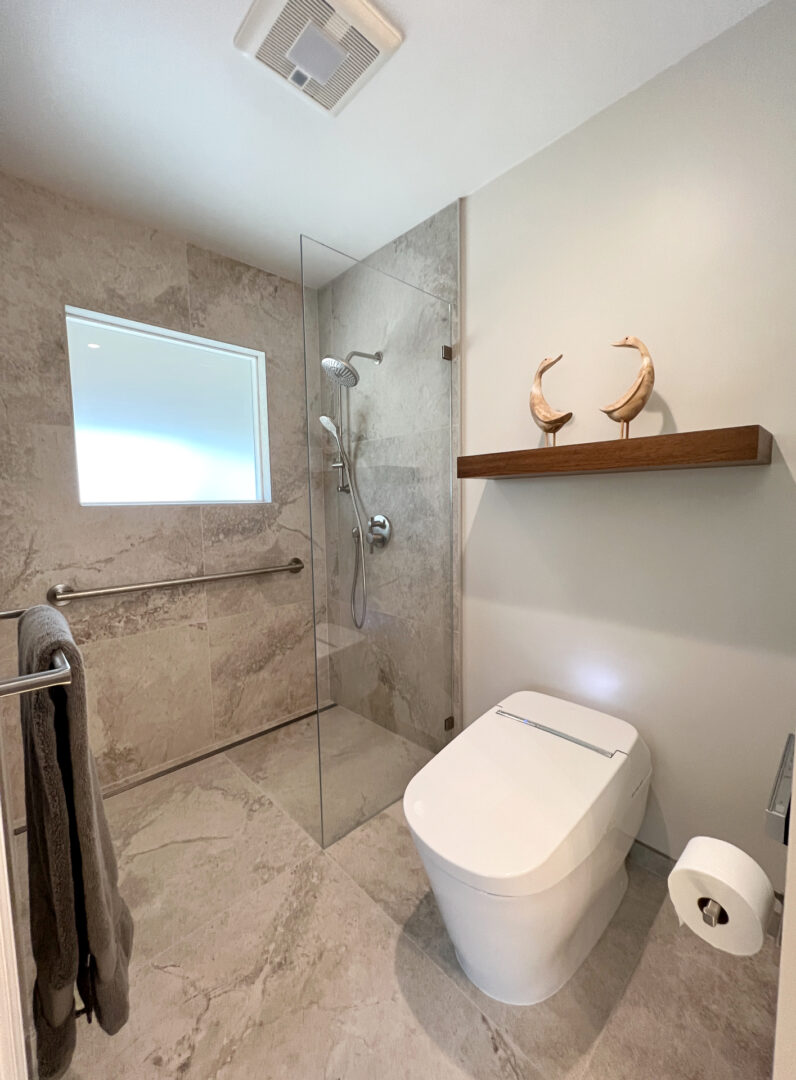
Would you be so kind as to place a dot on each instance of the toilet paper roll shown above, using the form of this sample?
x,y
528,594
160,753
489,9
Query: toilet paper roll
x,y
711,869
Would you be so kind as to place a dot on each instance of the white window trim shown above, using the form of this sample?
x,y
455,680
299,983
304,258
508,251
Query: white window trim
x,y
259,398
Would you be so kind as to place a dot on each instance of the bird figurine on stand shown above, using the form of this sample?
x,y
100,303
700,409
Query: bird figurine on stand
x,y
630,404
544,417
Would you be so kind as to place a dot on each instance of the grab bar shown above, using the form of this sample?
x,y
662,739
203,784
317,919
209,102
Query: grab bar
x,y
60,595
60,674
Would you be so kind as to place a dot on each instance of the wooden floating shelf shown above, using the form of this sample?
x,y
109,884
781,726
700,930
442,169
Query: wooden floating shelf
x,y
718,447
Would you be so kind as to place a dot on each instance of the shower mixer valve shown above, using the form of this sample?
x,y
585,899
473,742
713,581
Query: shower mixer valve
x,y
379,531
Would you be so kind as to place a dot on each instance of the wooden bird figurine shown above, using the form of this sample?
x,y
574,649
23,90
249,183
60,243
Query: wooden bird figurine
x,y
630,404
546,418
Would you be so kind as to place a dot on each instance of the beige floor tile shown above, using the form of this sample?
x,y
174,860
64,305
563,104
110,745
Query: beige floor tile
x,y
651,1001
284,764
191,842
258,956
305,979
557,1035
364,769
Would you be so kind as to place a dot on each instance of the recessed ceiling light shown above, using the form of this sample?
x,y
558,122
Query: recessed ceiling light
x,y
93,345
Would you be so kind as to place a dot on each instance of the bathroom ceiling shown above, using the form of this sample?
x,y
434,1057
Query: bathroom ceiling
x,y
146,109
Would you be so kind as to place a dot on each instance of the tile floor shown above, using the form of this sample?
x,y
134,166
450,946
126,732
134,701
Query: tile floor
x,y
364,768
260,956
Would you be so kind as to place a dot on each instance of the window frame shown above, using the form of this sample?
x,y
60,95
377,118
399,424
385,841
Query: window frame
x,y
262,454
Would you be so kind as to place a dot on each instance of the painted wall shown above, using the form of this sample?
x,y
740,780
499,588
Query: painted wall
x,y
172,672
663,598
397,670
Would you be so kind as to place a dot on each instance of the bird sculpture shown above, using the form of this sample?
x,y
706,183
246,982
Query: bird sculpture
x,y
544,417
630,404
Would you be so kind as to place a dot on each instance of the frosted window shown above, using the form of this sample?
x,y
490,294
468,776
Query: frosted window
x,y
165,417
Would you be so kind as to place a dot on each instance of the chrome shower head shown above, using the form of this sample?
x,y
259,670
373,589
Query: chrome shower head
x,y
343,372
340,371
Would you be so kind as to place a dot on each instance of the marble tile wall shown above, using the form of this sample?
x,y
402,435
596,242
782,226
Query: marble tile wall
x,y
170,673
401,423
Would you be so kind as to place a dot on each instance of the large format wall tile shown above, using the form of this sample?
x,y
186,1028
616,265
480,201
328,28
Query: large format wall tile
x,y
243,537
409,480
147,653
149,698
410,391
398,673
402,438
55,251
263,668
250,307
51,538
427,256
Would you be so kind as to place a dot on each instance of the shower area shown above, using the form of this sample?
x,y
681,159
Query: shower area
x,y
262,676
380,379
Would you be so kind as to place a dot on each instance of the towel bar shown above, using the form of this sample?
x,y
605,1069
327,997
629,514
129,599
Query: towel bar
x,y
60,674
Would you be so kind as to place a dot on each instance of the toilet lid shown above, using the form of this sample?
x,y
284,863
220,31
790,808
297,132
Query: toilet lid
x,y
525,793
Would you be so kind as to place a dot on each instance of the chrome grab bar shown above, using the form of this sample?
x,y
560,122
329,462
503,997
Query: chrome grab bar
x,y
60,674
60,595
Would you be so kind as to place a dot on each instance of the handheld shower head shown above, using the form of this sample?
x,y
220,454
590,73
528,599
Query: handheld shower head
x,y
331,427
334,431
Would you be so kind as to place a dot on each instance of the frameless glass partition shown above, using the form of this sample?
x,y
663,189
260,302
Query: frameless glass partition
x,y
379,433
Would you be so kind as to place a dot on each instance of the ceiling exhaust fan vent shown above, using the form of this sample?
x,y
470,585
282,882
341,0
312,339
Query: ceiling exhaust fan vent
x,y
325,51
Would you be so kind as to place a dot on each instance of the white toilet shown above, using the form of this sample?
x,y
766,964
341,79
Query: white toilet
x,y
523,823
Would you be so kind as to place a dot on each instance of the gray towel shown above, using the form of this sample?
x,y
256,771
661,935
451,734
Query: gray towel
x,y
81,929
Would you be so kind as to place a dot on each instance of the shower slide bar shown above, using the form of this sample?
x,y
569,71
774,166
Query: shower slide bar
x,y
60,674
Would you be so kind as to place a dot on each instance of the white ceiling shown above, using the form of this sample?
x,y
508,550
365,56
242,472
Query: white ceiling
x,y
145,108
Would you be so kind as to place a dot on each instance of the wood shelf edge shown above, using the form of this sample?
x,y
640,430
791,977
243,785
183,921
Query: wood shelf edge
x,y
713,448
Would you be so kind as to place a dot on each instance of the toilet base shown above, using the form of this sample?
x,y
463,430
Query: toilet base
x,y
523,949
578,949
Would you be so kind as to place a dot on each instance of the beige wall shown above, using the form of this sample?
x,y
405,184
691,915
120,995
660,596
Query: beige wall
x,y
169,672
664,598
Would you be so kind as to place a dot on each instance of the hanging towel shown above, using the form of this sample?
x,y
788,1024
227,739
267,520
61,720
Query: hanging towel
x,y
81,929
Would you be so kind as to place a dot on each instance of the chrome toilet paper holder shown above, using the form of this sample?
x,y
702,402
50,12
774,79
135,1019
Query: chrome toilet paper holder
x,y
712,912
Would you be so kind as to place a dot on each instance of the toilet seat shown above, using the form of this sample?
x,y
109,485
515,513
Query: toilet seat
x,y
523,795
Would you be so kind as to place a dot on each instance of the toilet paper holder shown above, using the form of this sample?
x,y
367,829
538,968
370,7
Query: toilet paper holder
x,y
712,912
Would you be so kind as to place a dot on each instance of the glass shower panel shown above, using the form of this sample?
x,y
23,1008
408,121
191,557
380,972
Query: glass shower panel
x,y
379,434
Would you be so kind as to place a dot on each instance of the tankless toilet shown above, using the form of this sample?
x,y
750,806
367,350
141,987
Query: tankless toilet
x,y
523,823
